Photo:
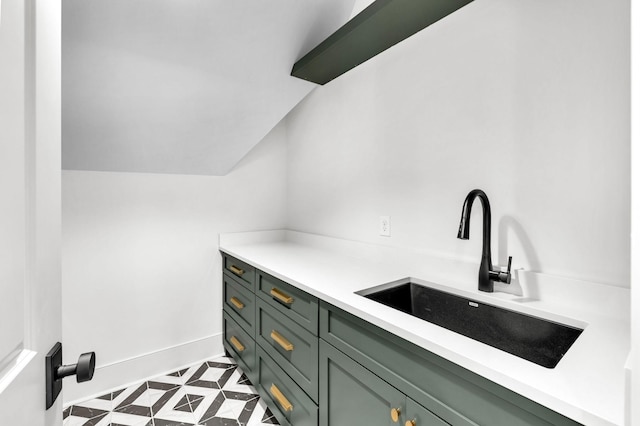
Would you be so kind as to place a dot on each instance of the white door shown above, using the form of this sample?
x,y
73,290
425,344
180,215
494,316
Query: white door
x,y
30,300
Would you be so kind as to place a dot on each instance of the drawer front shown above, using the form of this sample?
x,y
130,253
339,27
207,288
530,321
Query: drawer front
x,y
240,345
294,348
296,304
454,394
242,271
288,402
240,303
417,415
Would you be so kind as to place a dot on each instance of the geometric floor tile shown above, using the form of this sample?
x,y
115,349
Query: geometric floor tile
x,y
214,393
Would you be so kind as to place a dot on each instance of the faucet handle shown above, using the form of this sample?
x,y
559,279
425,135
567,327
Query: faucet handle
x,y
505,277
508,280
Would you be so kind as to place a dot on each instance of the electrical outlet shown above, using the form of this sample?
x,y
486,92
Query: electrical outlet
x,y
385,226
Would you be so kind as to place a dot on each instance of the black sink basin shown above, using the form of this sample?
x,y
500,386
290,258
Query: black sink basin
x,y
535,339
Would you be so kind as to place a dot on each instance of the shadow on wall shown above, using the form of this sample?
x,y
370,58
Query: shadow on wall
x,y
523,284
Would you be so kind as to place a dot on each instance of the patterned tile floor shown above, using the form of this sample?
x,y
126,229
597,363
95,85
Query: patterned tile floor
x,y
214,393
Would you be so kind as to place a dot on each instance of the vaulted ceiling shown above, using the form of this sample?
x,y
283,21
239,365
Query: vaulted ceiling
x,y
182,86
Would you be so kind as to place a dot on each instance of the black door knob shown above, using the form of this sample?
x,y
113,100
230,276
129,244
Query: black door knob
x,y
83,369
55,371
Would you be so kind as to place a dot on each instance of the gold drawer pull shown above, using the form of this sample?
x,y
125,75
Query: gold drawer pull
x,y
236,343
282,400
236,270
410,423
238,304
277,337
278,294
395,414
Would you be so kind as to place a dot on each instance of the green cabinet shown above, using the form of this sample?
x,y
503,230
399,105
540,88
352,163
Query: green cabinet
x,y
238,313
454,394
271,330
317,365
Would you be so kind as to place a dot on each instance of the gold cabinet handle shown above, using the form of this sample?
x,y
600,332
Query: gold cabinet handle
x,y
282,400
238,304
278,294
236,343
395,414
410,423
279,339
236,270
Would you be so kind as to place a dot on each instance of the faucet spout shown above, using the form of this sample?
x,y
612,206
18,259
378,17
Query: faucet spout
x,y
486,275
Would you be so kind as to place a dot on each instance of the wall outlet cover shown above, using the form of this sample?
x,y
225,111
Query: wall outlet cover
x,y
384,226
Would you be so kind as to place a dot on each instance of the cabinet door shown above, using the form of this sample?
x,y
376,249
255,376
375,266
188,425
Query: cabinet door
x,y
352,395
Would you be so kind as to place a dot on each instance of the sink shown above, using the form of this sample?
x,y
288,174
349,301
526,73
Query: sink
x,y
535,339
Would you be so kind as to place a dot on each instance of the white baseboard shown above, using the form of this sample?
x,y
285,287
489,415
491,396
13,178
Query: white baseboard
x,y
126,372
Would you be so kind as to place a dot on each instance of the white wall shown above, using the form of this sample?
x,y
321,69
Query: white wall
x,y
527,100
141,268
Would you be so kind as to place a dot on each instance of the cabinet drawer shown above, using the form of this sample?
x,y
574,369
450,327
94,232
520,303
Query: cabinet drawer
x,y
294,348
241,346
296,304
244,272
288,402
240,303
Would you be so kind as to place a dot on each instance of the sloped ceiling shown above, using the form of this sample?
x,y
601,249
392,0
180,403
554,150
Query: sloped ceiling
x,y
182,86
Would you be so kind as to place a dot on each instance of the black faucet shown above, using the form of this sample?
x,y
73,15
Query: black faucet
x,y
487,275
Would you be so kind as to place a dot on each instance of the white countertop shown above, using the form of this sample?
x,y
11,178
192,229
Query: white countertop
x,y
588,385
